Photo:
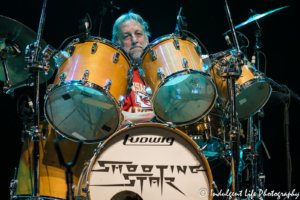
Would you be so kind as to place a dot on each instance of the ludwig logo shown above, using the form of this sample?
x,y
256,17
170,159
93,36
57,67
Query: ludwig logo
x,y
148,141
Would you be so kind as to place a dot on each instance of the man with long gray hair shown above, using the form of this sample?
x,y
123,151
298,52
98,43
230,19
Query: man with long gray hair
x,y
130,31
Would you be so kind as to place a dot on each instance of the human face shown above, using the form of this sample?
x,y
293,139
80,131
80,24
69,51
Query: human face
x,y
133,39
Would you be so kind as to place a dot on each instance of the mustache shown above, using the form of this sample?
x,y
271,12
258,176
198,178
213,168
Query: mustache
x,y
137,45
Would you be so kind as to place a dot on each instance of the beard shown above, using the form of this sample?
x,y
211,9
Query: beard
x,y
135,53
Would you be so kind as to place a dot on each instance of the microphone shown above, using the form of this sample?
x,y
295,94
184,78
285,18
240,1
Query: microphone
x,y
30,104
229,42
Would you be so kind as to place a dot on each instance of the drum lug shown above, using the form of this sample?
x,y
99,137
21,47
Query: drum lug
x,y
153,54
107,85
94,47
85,76
121,100
85,190
62,77
148,90
116,57
160,73
169,124
129,74
198,50
176,43
142,73
184,63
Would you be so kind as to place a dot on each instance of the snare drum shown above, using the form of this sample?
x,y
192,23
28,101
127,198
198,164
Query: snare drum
x,y
52,181
89,90
173,68
151,161
252,88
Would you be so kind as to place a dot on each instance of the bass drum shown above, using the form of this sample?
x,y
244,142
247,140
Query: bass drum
x,y
52,181
89,90
148,161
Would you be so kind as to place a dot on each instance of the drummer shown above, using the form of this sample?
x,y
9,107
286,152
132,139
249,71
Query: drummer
x,y
130,31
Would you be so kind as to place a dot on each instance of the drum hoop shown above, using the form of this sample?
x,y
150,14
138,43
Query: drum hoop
x,y
158,41
249,83
174,75
106,42
90,85
25,197
178,132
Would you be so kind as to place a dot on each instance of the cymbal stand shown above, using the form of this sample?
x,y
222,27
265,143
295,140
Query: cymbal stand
x,y
3,58
34,67
261,177
233,73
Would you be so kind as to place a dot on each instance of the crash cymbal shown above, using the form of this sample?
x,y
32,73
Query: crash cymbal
x,y
256,17
17,36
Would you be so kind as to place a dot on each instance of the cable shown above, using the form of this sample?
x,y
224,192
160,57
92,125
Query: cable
x,y
197,40
78,35
245,38
265,57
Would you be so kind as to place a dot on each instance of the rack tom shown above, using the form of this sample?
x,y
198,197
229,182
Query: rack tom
x,y
89,90
252,88
181,91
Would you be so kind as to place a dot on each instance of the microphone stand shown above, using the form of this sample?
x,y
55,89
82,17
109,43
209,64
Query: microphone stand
x,y
233,73
291,95
34,67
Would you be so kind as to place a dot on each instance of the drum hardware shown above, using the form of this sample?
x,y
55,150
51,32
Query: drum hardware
x,y
60,57
85,76
198,49
68,166
184,63
141,73
233,73
130,124
121,100
161,74
169,124
107,85
62,78
116,56
94,47
153,53
13,185
176,43
148,91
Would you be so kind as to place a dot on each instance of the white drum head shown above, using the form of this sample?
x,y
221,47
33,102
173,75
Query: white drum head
x,y
152,161
185,98
80,112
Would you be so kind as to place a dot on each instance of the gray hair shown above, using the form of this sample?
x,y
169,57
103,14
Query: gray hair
x,y
126,17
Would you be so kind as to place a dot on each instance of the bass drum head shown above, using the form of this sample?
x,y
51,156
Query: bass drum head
x,y
71,103
251,99
151,160
184,98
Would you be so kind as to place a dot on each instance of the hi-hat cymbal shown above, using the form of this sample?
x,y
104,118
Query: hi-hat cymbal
x,y
18,35
257,17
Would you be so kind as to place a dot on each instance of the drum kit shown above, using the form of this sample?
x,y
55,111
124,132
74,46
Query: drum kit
x,y
198,100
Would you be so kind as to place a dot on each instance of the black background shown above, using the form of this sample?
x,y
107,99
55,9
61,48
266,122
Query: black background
x,y
207,20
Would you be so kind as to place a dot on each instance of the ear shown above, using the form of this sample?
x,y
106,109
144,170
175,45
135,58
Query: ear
x,y
147,40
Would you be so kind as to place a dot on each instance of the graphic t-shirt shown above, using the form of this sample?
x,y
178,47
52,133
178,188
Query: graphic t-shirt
x,y
137,101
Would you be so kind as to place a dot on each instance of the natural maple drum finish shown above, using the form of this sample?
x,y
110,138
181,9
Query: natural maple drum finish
x,y
52,182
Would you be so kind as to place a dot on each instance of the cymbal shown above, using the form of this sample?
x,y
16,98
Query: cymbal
x,y
256,17
18,35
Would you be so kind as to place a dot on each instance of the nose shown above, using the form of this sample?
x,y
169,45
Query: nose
x,y
134,39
